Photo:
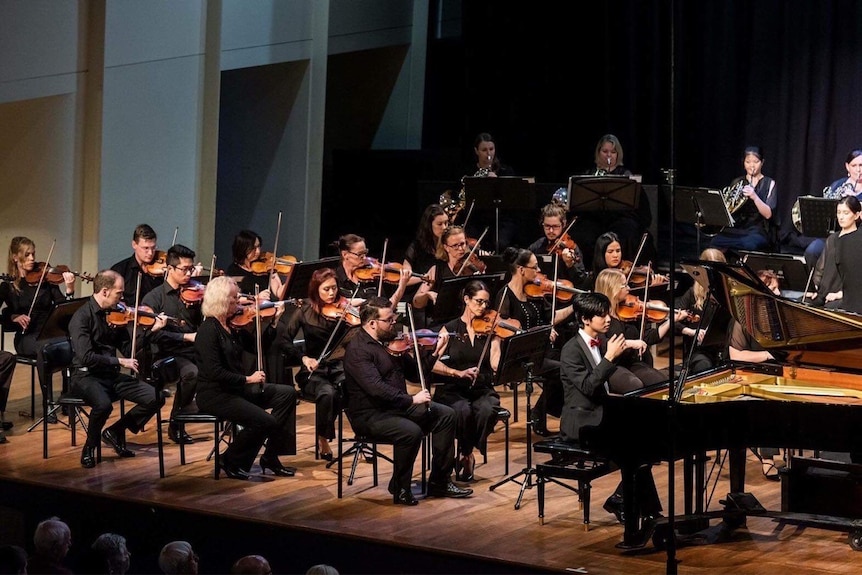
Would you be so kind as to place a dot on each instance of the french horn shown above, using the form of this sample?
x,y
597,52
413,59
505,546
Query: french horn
x,y
733,197
846,189
453,206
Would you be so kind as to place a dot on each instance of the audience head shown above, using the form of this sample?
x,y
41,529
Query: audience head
x,y
178,557
251,565
112,553
13,560
52,539
322,569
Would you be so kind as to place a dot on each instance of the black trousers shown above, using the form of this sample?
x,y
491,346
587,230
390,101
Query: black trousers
x,y
475,414
7,369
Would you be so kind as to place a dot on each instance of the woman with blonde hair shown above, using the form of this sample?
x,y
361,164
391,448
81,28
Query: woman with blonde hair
x,y
694,300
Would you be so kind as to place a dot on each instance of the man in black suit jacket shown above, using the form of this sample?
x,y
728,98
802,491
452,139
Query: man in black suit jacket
x,y
586,362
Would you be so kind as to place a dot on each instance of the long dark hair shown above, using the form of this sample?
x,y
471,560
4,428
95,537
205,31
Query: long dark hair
x,y
424,233
317,278
602,243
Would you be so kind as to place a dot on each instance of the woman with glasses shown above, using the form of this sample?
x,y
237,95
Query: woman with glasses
x,y
512,302
322,370
354,256
454,242
246,249
466,385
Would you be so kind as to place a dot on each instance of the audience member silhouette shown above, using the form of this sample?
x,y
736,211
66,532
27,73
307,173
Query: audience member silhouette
x,y
178,558
51,542
13,560
251,565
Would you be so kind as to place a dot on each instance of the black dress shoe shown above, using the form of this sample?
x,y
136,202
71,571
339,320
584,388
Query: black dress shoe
x,y
614,504
234,472
110,437
88,457
6,425
179,436
448,489
274,465
404,497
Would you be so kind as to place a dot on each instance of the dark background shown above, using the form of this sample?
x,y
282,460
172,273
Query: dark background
x,y
684,85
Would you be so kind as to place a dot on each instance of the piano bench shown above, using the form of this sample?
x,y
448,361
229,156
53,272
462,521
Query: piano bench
x,y
569,461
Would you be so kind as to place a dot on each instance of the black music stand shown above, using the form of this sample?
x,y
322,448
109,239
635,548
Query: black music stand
x,y
603,193
817,216
702,207
300,276
510,192
523,353
449,302
790,269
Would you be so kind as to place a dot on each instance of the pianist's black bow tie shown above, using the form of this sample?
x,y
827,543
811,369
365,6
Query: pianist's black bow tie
x,y
595,343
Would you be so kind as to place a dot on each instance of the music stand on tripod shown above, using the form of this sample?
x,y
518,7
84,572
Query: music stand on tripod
x,y
450,295
508,192
603,193
702,207
817,216
300,276
523,353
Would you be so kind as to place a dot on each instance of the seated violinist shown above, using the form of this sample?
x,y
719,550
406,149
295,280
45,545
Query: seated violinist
x,y
555,243
358,284
454,243
609,254
322,370
246,251
514,304
29,301
467,378
635,364
141,263
177,338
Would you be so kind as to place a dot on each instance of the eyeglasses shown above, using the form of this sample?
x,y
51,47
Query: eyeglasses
x,y
390,320
460,246
359,254
534,268
480,301
551,227
185,269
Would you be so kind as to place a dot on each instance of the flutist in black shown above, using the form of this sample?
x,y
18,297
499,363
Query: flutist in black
x,y
380,407
225,390
96,376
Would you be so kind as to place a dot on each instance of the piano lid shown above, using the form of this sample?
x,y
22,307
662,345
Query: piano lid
x,y
810,335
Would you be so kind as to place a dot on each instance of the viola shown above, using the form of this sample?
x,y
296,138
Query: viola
x,y
267,262
54,274
542,286
145,316
391,272
490,323
403,342
342,308
159,265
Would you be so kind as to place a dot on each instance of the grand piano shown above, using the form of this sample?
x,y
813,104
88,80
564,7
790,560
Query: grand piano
x,y
812,400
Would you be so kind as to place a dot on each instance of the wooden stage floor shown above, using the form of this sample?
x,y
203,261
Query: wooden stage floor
x,y
481,534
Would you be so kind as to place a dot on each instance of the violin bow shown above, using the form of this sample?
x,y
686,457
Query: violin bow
x,y
637,255
275,245
41,278
416,351
257,337
135,317
173,243
643,317
467,217
468,256
562,235
212,266
326,351
382,268
554,291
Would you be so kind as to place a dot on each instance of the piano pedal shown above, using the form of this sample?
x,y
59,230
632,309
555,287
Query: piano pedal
x,y
744,502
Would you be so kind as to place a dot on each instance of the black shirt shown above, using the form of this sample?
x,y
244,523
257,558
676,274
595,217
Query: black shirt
x,y
166,299
96,343
19,302
219,356
129,269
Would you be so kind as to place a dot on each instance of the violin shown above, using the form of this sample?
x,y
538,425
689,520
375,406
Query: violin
x,y
563,243
159,265
145,315
192,293
542,286
391,272
490,323
633,307
267,262
54,275
403,342
247,313
473,266
342,308
638,275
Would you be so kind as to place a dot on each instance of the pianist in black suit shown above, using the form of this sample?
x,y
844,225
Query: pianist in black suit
x,y
587,361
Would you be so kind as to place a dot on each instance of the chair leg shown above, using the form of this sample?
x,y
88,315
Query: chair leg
x,y
216,449
160,442
33,393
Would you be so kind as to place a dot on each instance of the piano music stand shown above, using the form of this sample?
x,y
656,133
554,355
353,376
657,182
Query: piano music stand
x,y
300,276
523,352
509,192
702,207
817,216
